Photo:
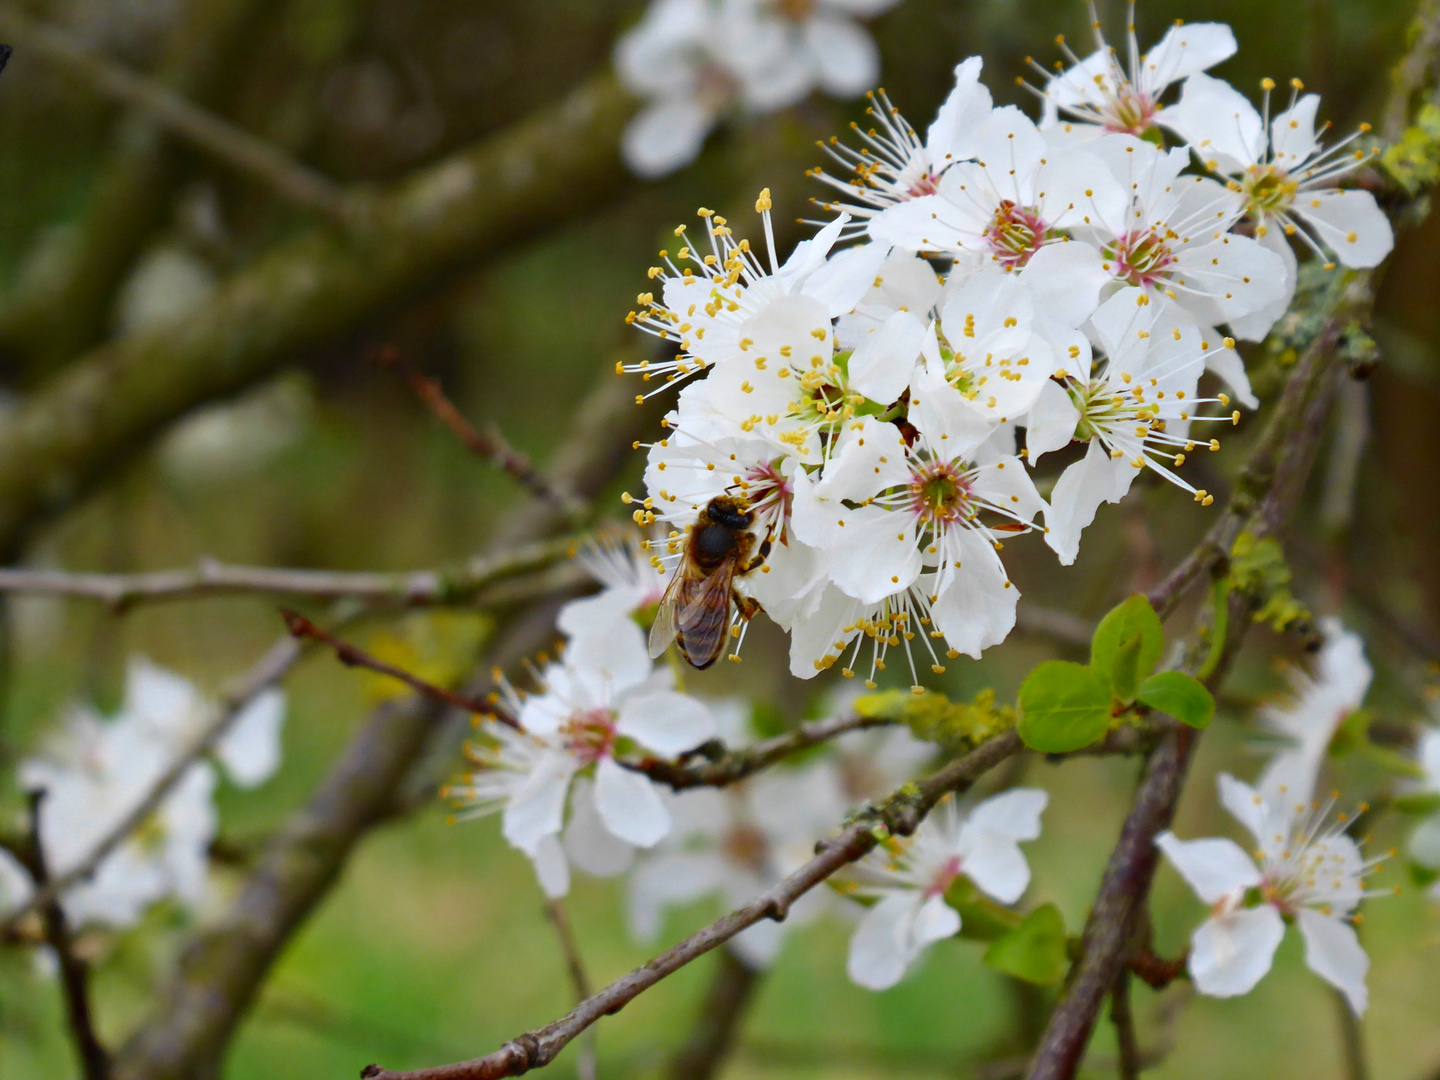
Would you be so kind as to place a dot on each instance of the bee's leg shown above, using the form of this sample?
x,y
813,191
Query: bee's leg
x,y
747,607
760,556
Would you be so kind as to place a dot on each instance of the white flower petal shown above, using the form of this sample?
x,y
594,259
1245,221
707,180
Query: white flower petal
x,y
537,809
882,945
883,361
1215,868
587,842
1052,421
250,751
1186,50
1014,813
1217,121
666,135
844,55
1229,954
1333,952
1246,805
629,805
1349,223
665,721
551,869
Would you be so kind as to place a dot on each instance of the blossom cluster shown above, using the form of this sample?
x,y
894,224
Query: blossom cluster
x,y
694,61
868,408
100,770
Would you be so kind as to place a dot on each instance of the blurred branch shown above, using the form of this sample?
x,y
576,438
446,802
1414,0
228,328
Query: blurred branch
x,y
210,578
235,147
224,966
555,909
89,418
712,1037
269,671
59,306
74,976
1059,626
901,813
353,656
1352,1039
1123,1018
490,445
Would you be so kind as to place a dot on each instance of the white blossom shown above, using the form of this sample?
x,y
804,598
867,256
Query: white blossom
x,y
893,164
1309,720
1303,872
93,777
907,879
692,62
1106,92
839,54
1286,178
600,697
1134,404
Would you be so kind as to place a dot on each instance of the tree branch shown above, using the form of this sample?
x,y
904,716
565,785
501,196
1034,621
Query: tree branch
x,y
213,578
58,307
729,767
74,976
354,656
235,147
84,422
900,813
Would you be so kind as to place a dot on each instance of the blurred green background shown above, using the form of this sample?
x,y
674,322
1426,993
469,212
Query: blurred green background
x,y
434,946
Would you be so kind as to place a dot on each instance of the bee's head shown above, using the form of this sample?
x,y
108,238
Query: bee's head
x,y
729,511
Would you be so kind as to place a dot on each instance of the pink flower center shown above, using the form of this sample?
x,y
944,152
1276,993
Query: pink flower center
x,y
590,736
949,870
770,496
1015,233
928,184
1141,257
1130,113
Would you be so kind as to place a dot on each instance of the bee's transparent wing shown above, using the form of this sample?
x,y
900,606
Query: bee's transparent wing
x,y
663,629
702,614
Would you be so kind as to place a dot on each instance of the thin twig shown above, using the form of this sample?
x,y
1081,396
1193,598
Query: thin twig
x,y
586,1066
489,444
901,813
354,656
729,767
712,1037
211,578
1123,1017
74,975
270,670
235,147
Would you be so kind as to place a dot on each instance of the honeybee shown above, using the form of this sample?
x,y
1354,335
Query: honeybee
x,y
695,610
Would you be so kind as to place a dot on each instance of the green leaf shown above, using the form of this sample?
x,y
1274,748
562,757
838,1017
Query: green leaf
x,y
1127,646
1063,706
981,919
1035,950
1182,696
